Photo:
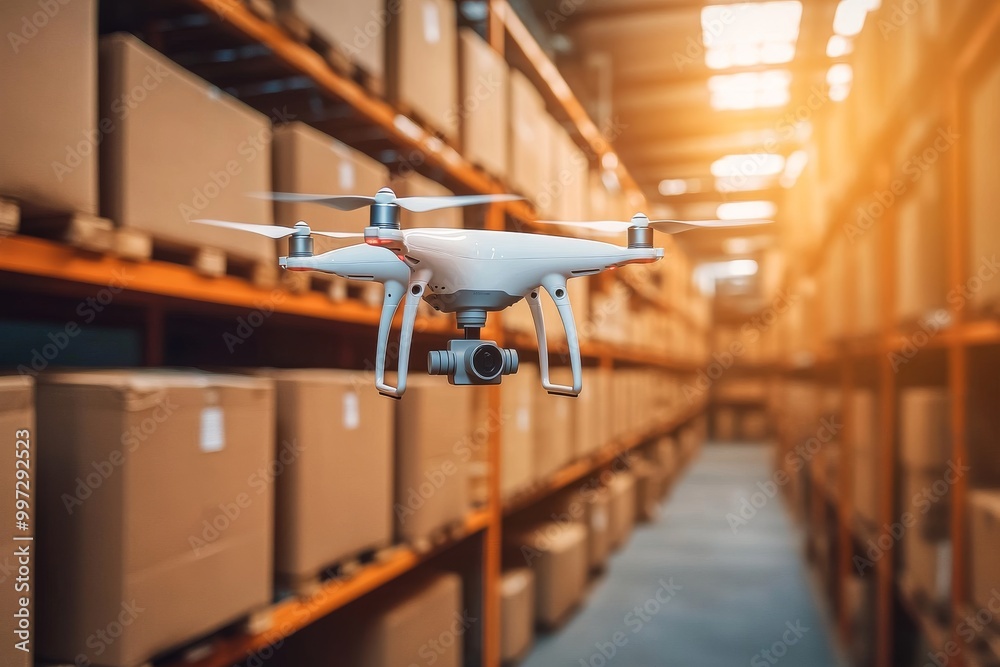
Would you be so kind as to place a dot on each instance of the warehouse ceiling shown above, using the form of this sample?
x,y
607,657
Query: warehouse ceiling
x,y
657,73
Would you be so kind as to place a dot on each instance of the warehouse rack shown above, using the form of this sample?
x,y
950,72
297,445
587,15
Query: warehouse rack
x,y
158,290
854,361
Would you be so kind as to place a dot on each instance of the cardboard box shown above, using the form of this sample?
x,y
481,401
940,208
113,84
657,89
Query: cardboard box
x,y
589,414
181,150
558,557
484,103
622,509
355,28
926,494
925,427
434,438
598,521
927,566
17,423
307,160
159,509
754,426
413,184
50,131
647,490
553,432
398,633
527,133
984,545
517,613
342,475
983,196
517,432
422,62
921,267
725,424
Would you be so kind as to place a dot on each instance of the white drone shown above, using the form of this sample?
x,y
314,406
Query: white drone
x,y
469,272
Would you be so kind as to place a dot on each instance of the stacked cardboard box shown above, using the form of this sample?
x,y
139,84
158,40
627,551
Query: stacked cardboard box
x,y
180,149
341,474
553,433
925,490
557,553
17,422
663,453
647,490
484,103
412,184
51,132
517,613
422,62
397,630
622,510
984,530
434,437
983,195
159,512
307,160
355,28
527,133
517,431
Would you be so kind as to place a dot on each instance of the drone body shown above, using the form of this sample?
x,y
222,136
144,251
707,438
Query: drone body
x,y
467,272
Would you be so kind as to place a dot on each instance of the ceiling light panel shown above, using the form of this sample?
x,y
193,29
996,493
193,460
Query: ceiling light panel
x,y
750,90
750,33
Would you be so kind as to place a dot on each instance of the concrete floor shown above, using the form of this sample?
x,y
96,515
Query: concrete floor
x,y
707,596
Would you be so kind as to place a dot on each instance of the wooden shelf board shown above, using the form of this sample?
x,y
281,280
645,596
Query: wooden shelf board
x,y
290,616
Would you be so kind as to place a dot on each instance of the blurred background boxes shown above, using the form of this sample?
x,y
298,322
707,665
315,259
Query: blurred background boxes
x,y
412,184
983,195
553,432
17,421
334,495
433,426
557,554
422,63
156,488
181,150
527,132
483,103
622,509
517,613
49,109
355,29
984,530
517,430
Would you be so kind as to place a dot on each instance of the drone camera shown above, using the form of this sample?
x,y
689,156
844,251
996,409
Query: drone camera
x,y
472,362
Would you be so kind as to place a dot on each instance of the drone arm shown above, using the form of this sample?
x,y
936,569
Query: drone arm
x,y
414,291
556,287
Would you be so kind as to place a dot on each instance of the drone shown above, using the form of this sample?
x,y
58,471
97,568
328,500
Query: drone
x,y
468,272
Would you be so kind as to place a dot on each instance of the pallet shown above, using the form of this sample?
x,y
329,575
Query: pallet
x,y
302,282
334,55
207,261
451,532
307,586
80,230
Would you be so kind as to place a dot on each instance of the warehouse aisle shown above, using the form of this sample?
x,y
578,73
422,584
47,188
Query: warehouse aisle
x,y
707,597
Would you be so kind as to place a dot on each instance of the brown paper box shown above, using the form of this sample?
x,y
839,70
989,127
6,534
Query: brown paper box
x,y
558,557
517,441
925,427
413,184
156,510
334,500
17,426
355,27
517,613
984,545
435,436
622,506
181,150
484,81
50,132
553,432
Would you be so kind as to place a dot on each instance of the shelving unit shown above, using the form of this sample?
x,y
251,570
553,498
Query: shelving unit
x,y
159,290
941,358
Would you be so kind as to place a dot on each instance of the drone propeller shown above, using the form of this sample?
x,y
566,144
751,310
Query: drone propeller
x,y
614,227
276,232
387,196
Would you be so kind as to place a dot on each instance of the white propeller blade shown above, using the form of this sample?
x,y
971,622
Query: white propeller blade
x,y
424,204
273,231
415,204
612,227
339,202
